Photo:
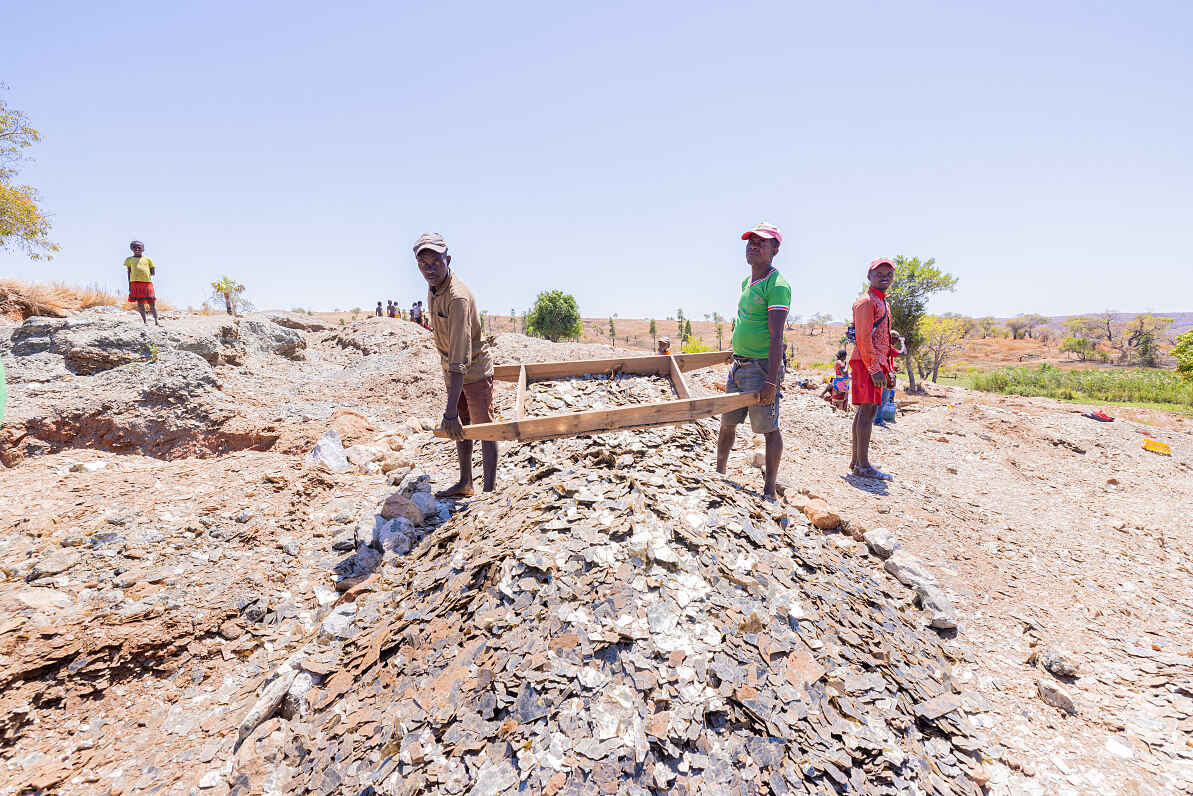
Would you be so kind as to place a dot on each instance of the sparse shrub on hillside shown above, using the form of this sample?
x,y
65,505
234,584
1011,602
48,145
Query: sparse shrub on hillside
x,y
693,345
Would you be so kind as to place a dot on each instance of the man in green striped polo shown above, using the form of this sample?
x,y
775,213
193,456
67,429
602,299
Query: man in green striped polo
x,y
758,352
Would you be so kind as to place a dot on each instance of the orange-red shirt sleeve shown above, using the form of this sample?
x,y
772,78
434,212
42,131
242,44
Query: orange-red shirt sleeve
x,y
863,324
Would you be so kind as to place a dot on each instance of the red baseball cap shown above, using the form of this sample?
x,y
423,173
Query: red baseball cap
x,y
880,261
764,230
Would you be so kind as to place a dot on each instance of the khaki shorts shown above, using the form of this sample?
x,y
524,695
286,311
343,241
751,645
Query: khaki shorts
x,y
749,376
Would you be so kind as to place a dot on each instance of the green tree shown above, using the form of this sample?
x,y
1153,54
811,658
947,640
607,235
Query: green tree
x,y
555,316
232,294
1184,356
719,320
693,345
987,327
1143,336
1021,325
24,226
1083,347
612,332
944,338
915,282
687,329
654,334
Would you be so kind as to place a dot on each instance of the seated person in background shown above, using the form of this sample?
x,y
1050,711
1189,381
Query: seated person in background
x,y
837,391
664,346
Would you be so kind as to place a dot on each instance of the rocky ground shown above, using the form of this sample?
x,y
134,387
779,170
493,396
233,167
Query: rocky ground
x,y
190,605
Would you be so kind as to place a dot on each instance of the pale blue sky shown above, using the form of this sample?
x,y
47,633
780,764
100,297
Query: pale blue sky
x,y
1039,150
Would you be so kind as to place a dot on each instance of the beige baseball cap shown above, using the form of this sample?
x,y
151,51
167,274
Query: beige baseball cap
x,y
430,240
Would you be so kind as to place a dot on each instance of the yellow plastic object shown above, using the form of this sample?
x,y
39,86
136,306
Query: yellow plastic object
x,y
1157,447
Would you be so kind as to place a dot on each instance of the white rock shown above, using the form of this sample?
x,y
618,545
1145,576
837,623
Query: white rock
x,y
1056,696
1119,748
289,546
294,706
939,608
329,452
88,467
361,455
909,570
268,702
211,779
338,623
881,542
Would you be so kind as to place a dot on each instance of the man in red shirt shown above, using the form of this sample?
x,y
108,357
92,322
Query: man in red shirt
x,y
870,363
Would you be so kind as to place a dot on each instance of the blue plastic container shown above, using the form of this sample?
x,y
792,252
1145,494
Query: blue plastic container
x,y
886,410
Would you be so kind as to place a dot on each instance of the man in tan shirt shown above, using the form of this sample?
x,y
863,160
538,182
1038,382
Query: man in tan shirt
x,y
467,366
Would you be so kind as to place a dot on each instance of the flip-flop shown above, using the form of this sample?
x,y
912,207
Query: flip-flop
x,y
875,474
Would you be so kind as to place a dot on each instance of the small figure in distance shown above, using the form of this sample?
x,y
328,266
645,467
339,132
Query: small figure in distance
x,y
870,363
416,312
377,312
141,271
664,346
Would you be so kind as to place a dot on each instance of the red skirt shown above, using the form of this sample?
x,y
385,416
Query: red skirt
x,y
141,291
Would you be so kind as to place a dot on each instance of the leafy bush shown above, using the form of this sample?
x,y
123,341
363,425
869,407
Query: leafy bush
x,y
1184,356
555,316
1121,386
693,345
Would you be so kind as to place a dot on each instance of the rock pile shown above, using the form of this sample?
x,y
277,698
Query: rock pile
x,y
621,621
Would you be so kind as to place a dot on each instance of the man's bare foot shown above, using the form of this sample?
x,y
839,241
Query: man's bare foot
x,y
871,472
770,497
460,489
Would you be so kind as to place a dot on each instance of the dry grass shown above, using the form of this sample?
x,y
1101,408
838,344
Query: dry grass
x,y
55,299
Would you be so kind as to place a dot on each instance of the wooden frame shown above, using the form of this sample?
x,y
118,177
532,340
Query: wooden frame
x,y
664,413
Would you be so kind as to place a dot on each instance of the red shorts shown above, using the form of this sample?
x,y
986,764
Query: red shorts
x,y
476,402
140,291
864,391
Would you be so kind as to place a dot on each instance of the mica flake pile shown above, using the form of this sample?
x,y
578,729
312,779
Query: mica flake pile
x,y
599,391
621,622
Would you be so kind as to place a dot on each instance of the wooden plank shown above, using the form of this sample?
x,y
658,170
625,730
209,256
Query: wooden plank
x,y
521,399
645,365
681,386
705,359
665,413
